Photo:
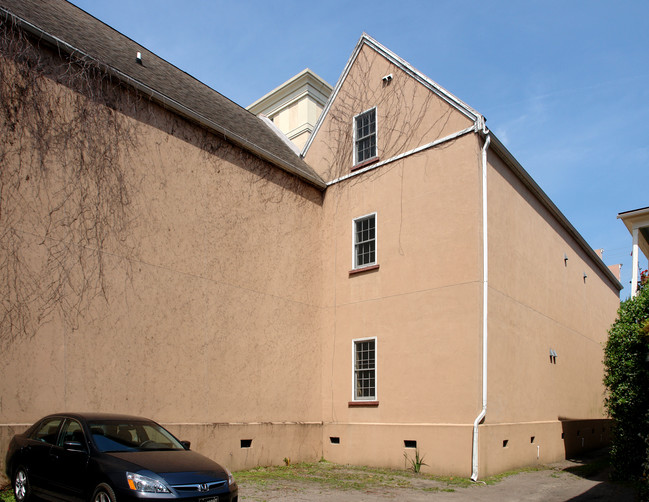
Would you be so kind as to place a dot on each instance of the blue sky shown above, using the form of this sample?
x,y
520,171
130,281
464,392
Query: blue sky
x,y
563,84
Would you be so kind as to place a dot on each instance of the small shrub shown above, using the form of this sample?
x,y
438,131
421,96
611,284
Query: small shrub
x,y
626,361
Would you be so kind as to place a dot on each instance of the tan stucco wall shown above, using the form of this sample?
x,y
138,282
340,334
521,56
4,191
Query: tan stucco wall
x,y
445,446
422,304
270,442
408,115
214,316
538,302
538,443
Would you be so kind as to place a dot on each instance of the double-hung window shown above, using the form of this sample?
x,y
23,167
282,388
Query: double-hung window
x,y
365,136
365,241
365,370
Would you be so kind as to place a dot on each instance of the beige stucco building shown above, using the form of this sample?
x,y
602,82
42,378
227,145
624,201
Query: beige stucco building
x,y
402,284
295,106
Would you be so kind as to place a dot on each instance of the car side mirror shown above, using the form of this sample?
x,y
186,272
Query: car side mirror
x,y
186,444
74,446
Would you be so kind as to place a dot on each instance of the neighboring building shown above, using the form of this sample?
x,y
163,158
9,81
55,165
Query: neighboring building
x,y
637,222
404,284
294,106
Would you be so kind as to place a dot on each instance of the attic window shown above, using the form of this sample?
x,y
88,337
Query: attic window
x,y
365,137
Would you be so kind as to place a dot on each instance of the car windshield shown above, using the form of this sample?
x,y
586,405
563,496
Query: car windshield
x,y
116,435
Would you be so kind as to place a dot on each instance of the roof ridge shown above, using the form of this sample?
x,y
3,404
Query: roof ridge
x,y
410,70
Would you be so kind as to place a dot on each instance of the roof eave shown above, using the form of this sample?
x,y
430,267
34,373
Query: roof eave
x,y
168,102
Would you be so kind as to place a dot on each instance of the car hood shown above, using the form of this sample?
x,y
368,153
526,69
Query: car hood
x,y
174,465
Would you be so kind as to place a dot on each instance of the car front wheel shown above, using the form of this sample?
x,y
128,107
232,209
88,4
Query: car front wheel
x,y
22,490
104,493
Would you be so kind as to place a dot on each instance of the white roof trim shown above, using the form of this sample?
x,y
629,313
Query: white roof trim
x,y
408,69
300,83
403,155
271,125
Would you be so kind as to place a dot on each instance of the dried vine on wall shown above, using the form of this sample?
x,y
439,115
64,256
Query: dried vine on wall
x,y
65,184
401,115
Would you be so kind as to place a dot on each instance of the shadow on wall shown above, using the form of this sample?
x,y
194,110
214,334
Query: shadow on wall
x,y
581,436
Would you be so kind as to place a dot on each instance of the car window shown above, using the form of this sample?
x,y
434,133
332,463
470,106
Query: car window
x,y
72,433
47,431
131,436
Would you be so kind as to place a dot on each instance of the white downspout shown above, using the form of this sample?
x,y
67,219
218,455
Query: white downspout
x,y
485,287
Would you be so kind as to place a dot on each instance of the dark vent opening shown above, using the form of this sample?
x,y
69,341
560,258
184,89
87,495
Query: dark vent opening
x,y
410,443
334,440
246,443
505,441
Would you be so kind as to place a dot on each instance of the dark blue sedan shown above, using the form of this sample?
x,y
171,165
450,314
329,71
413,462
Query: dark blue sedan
x,y
108,458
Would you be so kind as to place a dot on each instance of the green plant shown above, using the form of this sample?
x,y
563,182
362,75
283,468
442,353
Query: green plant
x,y
626,361
415,463
6,494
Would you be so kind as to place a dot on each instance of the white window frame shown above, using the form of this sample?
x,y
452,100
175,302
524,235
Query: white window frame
x,y
376,135
375,397
355,265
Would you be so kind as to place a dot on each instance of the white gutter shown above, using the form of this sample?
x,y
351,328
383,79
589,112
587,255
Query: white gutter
x,y
421,148
485,289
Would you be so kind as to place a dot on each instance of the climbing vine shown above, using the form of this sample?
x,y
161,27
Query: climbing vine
x,y
66,188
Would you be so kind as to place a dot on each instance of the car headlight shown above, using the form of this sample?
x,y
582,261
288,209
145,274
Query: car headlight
x,y
230,476
141,483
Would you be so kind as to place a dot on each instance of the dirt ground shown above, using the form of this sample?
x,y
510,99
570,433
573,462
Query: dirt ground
x,y
552,484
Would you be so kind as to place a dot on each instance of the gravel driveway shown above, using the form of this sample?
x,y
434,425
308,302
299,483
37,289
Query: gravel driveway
x,y
554,483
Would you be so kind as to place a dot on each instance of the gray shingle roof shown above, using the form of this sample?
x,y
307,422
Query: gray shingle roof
x,y
72,29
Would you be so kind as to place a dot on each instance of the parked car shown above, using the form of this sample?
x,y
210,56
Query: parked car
x,y
95,457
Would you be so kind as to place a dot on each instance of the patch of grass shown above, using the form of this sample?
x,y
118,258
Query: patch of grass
x,y
7,494
456,481
346,477
497,478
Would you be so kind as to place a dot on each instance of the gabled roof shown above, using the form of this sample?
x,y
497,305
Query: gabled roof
x,y
365,39
71,30
479,127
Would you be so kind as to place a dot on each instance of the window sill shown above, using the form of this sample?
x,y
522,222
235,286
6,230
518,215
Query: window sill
x,y
364,269
363,404
367,162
